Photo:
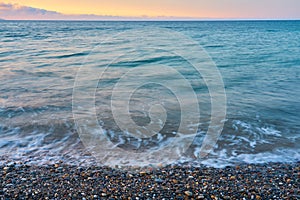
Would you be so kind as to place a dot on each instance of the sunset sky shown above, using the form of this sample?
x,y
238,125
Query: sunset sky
x,y
178,9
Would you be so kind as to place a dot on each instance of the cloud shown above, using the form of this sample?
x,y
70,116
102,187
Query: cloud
x,y
17,12
10,11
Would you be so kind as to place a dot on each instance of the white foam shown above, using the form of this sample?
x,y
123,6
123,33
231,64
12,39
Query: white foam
x,y
221,159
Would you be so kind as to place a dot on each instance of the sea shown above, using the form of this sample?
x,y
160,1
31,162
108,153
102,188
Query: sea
x,y
142,92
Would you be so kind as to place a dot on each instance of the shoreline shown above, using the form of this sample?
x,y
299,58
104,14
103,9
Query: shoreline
x,y
61,181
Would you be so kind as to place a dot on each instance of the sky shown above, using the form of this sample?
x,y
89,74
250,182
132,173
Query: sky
x,y
150,9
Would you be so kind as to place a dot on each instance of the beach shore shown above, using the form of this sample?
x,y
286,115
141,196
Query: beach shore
x,y
61,181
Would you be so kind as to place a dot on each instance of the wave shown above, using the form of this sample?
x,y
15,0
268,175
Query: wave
x,y
144,61
56,140
69,55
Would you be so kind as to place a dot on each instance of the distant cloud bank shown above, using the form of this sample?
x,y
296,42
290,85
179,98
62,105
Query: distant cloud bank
x,y
18,12
15,11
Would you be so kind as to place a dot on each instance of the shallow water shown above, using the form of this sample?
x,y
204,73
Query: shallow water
x,y
258,60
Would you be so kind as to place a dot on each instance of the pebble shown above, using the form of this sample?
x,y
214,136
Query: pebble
x,y
188,193
6,168
158,180
175,181
143,173
10,185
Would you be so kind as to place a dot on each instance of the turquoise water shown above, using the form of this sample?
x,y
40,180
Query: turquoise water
x,y
258,60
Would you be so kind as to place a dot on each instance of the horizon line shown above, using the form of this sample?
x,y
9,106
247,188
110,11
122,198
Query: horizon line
x,y
155,19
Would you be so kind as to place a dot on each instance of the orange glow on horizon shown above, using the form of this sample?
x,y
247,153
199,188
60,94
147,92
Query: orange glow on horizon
x,y
117,8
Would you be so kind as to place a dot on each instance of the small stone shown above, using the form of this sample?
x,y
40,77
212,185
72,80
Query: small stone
x,y
232,177
23,179
130,175
175,181
258,197
65,175
59,168
142,173
158,180
188,193
6,168
103,194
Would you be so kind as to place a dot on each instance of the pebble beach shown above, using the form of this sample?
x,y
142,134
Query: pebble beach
x,y
62,181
